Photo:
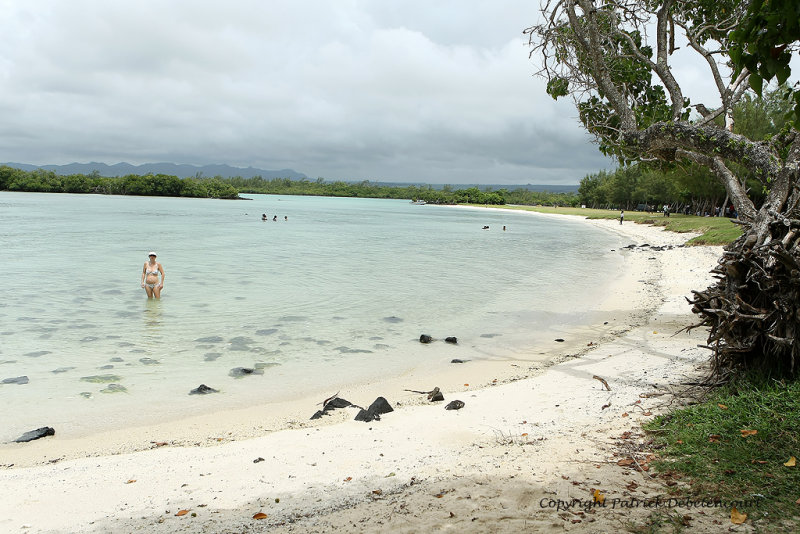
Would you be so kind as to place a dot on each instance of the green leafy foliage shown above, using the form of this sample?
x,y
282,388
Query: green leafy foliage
x,y
764,43
147,185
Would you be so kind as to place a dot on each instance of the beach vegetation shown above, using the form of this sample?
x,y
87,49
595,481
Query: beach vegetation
x,y
712,230
45,181
614,59
739,443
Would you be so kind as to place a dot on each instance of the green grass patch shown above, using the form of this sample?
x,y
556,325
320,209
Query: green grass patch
x,y
713,230
735,446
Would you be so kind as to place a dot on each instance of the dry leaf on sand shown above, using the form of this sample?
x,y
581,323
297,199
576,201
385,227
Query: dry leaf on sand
x,y
736,517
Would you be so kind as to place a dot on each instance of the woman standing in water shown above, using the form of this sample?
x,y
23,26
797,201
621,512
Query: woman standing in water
x,y
150,273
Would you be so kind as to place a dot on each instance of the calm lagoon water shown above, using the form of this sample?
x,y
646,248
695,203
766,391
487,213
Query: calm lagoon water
x,y
339,292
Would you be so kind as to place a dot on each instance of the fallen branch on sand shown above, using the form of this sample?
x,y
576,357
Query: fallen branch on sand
x,y
603,381
433,395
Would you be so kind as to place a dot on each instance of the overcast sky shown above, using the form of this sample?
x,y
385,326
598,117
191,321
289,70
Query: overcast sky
x,y
381,90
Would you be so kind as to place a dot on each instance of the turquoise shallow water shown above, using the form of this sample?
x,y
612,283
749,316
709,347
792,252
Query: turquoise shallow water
x,y
339,292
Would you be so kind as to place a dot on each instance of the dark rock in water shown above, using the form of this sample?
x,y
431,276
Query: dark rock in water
x,y
559,340
266,331
456,360
348,350
36,353
451,339
35,434
16,380
239,372
62,370
101,379
425,338
318,415
454,405
210,339
203,389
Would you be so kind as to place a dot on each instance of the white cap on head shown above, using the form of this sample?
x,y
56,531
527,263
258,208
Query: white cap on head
x,y
151,253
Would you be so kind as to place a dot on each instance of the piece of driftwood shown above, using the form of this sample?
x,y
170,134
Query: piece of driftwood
x,y
603,381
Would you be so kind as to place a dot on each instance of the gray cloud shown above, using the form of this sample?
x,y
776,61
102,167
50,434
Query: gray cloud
x,y
394,90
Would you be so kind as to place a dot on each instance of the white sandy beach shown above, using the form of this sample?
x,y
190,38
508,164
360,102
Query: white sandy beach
x,y
531,435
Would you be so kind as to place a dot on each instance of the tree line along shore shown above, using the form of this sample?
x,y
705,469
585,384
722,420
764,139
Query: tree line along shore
x,y
626,189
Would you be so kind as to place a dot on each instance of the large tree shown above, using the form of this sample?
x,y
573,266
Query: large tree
x,y
614,58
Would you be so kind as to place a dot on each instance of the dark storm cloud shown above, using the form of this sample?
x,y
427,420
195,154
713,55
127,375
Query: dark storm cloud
x,y
395,90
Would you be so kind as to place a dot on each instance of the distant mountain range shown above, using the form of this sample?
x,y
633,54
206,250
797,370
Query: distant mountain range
x,y
171,169
226,171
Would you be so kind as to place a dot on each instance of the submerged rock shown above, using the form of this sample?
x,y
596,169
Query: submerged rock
x,y
149,361
210,339
36,434
101,379
16,380
114,388
62,370
36,353
203,389
266,331
239,372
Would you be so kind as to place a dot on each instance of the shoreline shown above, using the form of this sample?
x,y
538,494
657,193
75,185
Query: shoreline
x,y
416,445
616,313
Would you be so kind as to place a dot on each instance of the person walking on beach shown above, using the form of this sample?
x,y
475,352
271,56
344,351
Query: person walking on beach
x,y
621,216
150,272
